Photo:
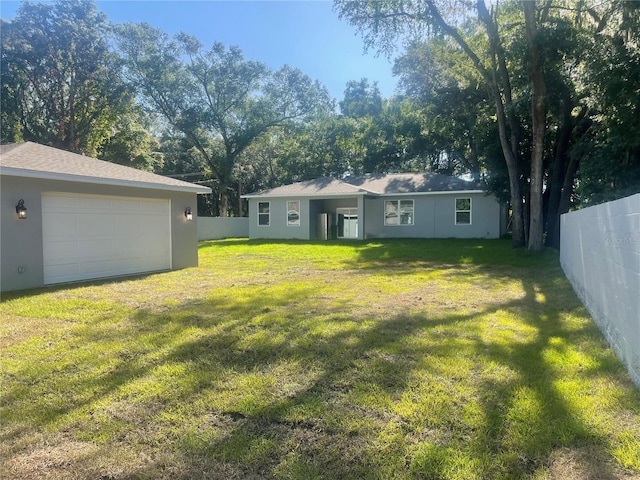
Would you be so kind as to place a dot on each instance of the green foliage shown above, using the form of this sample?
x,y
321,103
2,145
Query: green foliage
x,y
361,100
455,109
61,84
610,154
219,101
463,63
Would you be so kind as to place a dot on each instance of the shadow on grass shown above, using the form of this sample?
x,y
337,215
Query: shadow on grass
x,y
259,382
374,253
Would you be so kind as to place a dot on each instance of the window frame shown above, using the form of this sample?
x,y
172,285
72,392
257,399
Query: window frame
x,y
469,211
289,209
399,213
262,214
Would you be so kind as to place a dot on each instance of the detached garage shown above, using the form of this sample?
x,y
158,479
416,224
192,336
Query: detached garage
x,y
66,217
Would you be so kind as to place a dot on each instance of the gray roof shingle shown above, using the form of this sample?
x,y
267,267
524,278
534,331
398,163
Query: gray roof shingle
x,y
399,183
40,161
318,186
373,184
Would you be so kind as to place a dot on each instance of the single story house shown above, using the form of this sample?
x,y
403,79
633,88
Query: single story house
x,y
405,205
66,217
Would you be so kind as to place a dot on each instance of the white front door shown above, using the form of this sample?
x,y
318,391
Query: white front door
x,y
347,219
96,236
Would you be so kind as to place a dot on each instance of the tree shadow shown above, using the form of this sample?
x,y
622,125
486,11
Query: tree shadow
x,y
331,409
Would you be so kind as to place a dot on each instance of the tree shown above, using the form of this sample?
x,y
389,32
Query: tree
x,y
221,102
538,125
61,84
383,22
131,144
546,55
608,154
455,109
361,99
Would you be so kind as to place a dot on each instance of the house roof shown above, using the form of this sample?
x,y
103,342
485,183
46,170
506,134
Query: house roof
x,y
319,187
373,184
40,161
401,183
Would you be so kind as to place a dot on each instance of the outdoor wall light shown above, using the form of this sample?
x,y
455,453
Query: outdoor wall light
x,y
187,213
21,210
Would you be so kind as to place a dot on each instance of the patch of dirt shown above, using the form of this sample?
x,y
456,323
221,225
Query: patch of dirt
x,y
60,458
50,461
585,463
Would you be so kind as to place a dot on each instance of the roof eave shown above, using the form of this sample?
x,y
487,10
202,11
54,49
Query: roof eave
x,y
20,172
367,194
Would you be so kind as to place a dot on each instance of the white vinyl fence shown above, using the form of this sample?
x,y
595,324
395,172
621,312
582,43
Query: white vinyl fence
x,y
600,255
215,228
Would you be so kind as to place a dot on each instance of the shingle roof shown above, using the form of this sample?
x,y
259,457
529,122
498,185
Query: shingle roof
x,y
319,186
399,183
373,184
40,161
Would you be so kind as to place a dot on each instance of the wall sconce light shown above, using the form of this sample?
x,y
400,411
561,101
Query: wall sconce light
x,y
187,213
21,210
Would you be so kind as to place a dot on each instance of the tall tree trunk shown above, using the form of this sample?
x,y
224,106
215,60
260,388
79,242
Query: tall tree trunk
x,y
513,169
508,125
224,201
564,170
499,85
556,178
538,112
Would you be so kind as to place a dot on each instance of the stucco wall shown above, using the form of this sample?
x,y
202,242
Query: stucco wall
x,y
309,210
600,255
215,228
435,217
278,227
21,243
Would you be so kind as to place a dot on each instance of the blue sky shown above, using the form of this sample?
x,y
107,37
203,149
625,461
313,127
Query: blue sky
x,y
304,34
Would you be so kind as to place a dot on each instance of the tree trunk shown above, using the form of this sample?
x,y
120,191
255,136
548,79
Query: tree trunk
x,y
556,179
538,112
224,202
564,171
499,85
513,169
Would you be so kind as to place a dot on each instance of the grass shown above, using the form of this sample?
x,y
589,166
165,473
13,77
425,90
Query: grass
x,y
386,359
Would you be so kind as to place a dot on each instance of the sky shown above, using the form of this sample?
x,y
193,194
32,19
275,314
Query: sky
x,y
304,34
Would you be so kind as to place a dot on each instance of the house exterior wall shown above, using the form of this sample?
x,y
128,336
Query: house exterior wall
x,y
278,227
310,208
21,241
434,217
600,255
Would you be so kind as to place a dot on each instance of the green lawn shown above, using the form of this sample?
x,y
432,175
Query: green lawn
x,y
426,359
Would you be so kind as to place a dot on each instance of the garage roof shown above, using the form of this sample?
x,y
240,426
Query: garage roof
x,y
40,161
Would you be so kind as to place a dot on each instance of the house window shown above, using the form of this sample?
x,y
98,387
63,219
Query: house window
x,y
293,213
398,212
463,211
264,217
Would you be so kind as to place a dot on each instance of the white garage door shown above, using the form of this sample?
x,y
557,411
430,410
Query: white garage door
x,y
94,236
